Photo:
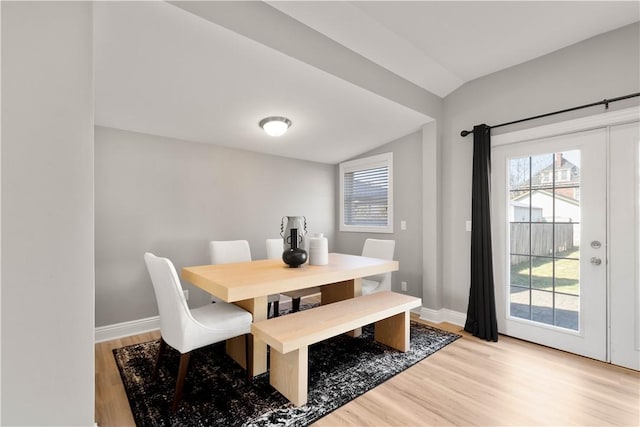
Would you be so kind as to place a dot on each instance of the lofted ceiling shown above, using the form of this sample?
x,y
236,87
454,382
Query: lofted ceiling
x,y
440,45
162,70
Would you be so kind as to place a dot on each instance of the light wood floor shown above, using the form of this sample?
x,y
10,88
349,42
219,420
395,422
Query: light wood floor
x,y
469,382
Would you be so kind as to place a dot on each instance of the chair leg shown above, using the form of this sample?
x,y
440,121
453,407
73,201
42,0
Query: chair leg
x,y
161,350
182,373
248,359
295,302
276,308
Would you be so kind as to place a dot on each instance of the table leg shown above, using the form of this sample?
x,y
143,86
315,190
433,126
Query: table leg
x,y
235,346
339,291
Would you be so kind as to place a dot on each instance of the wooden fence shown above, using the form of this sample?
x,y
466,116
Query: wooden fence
x,y
542,239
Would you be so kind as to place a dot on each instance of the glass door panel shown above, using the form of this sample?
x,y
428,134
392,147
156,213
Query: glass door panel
x,y
544,215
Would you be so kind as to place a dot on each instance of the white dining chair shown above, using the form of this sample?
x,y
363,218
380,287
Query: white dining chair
x,y
382,249
275,247
228,251
187,329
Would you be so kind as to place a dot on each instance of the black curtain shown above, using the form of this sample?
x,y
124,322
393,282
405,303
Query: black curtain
x,y
481,312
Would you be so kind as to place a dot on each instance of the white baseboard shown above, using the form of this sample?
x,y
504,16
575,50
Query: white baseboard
x,y
443,315
125,329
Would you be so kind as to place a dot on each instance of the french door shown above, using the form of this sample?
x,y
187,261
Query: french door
x,y
566,236
549,207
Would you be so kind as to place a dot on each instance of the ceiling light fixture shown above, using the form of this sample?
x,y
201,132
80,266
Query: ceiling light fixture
x,y
275,126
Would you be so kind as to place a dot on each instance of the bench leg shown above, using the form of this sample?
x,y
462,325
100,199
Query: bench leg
x,y
288,374
394,331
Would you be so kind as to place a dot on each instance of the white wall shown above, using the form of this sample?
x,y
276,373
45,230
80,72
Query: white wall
x,y
417,196
407,188
47,214
172,197
431,216
605,66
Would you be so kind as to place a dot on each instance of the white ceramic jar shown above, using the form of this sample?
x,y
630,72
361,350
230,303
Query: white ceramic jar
x,y
318,250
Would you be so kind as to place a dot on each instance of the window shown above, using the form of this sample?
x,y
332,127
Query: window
x,y
366,194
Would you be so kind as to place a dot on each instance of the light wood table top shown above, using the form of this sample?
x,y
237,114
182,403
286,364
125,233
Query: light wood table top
x,y
247,280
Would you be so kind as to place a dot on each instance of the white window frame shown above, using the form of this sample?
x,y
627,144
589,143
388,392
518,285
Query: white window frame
x,y
377,161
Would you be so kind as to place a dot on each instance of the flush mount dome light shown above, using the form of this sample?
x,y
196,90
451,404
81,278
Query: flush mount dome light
x,y
275,126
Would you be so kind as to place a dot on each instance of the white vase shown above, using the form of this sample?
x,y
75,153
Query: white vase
x,y
318,250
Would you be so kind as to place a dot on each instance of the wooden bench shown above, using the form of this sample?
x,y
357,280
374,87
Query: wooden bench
x,y
290,336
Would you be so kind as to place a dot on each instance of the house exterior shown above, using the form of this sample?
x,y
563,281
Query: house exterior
x,y
553,193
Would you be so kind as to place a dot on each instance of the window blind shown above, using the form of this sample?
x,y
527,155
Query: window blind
x,y
366,197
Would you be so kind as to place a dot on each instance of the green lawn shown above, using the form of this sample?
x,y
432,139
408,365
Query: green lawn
x,y
567,274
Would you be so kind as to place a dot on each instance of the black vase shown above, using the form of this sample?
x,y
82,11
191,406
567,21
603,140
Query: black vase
x,y
295,256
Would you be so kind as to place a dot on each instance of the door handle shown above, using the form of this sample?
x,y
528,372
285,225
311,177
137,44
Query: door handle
x,y
596,261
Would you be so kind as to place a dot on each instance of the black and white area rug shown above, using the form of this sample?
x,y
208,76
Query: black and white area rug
x,y
217,393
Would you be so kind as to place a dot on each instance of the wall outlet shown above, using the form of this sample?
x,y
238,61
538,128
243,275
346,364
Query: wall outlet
x,y
186,294
403,285
403,225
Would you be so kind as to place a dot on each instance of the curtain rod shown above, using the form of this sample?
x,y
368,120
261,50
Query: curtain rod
x,y
604,102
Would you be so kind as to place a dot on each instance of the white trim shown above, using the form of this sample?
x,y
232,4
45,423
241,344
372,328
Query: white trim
x,y
578,125
140,326
443,315
125,329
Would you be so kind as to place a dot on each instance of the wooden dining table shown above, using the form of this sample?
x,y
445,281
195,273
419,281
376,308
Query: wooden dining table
x,y
248,284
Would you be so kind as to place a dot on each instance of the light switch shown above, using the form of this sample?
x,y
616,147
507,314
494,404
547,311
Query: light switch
x,y
403,225
468,225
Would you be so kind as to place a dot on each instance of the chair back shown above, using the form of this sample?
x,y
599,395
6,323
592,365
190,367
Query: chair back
x,y
172,306
381,249
275,247
228,251
376,248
